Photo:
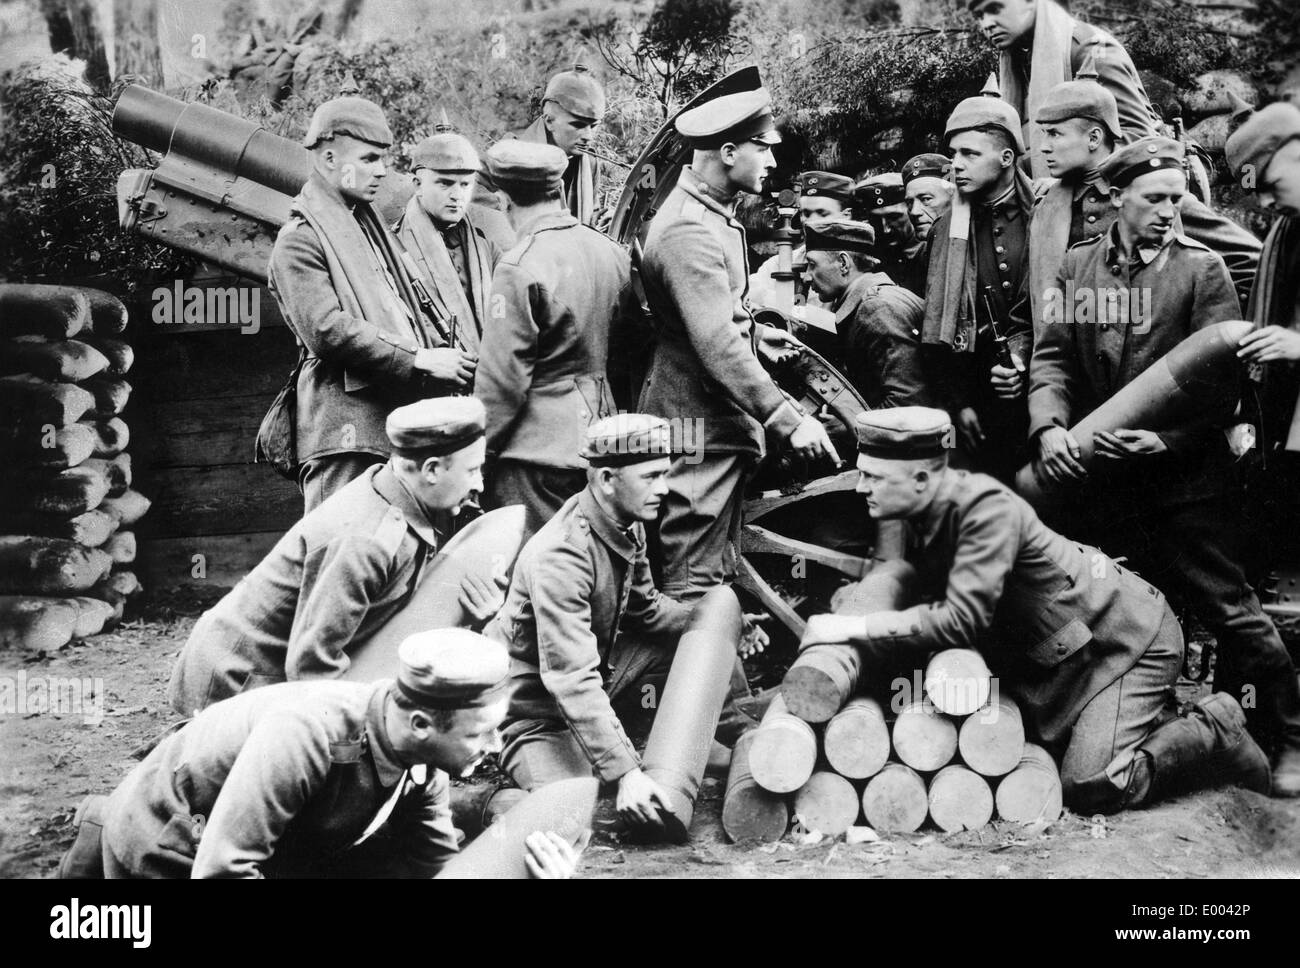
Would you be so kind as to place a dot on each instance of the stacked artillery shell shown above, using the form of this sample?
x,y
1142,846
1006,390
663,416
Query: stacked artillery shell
x,y
66,541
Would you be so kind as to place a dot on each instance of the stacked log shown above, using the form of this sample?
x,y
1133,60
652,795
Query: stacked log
x,y
67,540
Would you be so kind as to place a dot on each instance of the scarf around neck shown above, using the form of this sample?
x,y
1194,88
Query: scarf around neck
x,y
1049,65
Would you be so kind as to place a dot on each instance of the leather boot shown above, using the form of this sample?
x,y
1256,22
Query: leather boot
x,y
1207,747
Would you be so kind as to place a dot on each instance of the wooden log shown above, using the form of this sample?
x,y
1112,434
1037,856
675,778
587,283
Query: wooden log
x,y
957,681
36,624
750,813
111,436
108,315
127,508
91,528
117,472
69,492
47,447
924,738
1032,791
784,750
856,741
110,392
960,799
827,803
121,547
33,402
895,799
56,312
119,354
992,739
48,566
823,677
66,360
92,615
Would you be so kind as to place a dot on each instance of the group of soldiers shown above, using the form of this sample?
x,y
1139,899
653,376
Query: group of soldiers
x,y
467,353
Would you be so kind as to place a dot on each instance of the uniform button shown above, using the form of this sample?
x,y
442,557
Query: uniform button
x,y
1060,650
1092,218
1105,326
1114,270
1006,285
997,230
1003,266
1000,249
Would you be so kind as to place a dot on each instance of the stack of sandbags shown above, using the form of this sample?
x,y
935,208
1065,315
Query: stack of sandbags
x,y
955,755
67,511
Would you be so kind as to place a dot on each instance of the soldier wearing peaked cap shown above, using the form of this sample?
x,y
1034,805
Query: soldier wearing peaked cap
x,y
1080,129
977,288
1041,45
573,106
589,634
882,201
822,194
562,290
1168,501
346,567
1089,650
878,321
320,779
350,295
454,255
708,365
928,190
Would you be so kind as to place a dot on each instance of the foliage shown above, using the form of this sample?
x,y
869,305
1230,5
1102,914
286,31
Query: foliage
x,y
59,163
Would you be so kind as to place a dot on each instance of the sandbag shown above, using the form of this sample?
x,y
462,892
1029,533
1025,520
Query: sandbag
x,y
66,360
56,312
31,401
49,566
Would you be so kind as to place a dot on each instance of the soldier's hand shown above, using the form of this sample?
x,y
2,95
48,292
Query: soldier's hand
x,y
753,639
640,799
810,441
1058,456
604,220
969,429
447,363
1127,444
1269,344
550,857
1008,381
832,630
483,597
777,346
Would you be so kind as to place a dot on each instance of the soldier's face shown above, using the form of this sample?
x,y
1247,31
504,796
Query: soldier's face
x,y
1067,146
471,735
893,224
828,274
1148,205
1005,22
449,483
812,207
445,195
636,491
978,164
892,488
570,133
928,200
356,168
1279,188
748,165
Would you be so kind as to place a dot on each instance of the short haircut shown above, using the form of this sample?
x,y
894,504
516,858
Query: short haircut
x,y
534,196
863,262
443,719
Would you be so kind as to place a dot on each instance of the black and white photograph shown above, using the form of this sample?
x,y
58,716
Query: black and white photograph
x,y
652,440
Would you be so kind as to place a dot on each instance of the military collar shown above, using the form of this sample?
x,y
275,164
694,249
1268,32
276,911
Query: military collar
x,y
560,219
1007,203
700,190
1090,180
926,525
1146,253
619,540
451,234
393,491
853,293
387,767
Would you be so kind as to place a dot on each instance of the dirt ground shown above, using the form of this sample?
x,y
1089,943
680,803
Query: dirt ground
x,y
49,761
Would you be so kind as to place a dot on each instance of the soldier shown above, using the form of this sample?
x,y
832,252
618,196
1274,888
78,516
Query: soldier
x,y
543,375
453,254
707,370
346,567
977,292
588,631
1080,126
822,195
1089,650
1043,45
1165,500
344,290
572,109
322,779
927,189
879,322
882,201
